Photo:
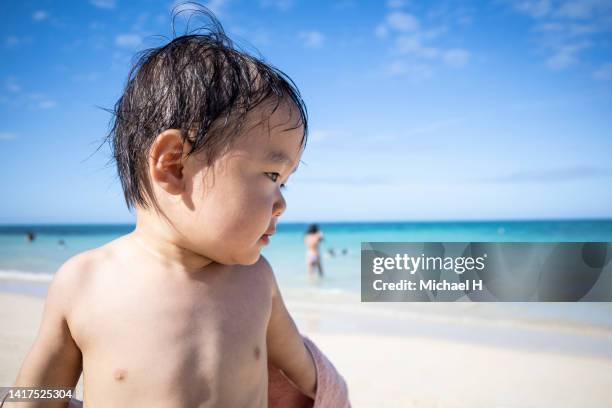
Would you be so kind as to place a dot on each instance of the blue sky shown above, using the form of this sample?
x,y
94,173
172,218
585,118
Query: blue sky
x,y
418,110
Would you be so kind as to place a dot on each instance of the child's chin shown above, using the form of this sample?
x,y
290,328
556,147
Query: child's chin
x,y
253,260
247,259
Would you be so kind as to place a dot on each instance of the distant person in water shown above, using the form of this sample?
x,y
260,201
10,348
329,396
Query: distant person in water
x,y
312,238
30,236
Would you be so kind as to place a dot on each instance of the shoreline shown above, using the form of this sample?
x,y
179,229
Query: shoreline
x,y
471,323
513,314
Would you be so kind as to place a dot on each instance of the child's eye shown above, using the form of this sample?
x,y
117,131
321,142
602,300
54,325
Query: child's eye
x,y
273,176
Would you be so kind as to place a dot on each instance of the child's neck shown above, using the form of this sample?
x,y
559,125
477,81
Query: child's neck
x,y
158,239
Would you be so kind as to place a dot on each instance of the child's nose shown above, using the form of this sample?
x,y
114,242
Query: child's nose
x,y
279,205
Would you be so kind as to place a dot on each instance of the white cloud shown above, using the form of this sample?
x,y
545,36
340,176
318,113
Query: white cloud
x,y
560,174
40,15
7,135
396,68
24,99
381,31
104,4
411,70
549,27
421,45
279,4
128,40
401,21
312,39
568,27
412,45
11,41
435,126
534,8
456,57
41,101
47,104
433,33
604,72
565,55
396,3
582,29
583,9
217,5
12,85
318,135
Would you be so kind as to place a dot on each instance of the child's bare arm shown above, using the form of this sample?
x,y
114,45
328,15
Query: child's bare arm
x,y
54,359
286,349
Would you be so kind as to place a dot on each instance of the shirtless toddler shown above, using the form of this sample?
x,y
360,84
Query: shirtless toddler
x,y
184,311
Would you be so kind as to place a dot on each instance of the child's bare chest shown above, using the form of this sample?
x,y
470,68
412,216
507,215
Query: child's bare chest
x,y
198,338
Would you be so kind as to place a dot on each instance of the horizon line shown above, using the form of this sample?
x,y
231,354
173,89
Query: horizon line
x,y
490,220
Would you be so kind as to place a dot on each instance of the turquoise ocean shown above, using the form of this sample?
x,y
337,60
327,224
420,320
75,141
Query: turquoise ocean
x,y
29,266
54,244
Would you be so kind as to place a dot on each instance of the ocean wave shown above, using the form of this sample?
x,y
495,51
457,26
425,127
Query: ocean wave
x,y
20,276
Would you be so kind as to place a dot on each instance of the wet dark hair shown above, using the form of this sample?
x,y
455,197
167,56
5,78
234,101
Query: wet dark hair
x,y
312,229
200,83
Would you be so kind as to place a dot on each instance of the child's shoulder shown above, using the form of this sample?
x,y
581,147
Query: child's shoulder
x,y
260,269
265,270
78,270
71,282
263,265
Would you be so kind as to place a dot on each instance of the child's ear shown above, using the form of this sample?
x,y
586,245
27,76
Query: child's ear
x,y
166,161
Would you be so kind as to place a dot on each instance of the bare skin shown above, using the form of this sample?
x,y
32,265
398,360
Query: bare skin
x,y
168,316
312,242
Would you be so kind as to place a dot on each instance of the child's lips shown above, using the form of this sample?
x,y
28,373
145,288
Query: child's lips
x,y
266,237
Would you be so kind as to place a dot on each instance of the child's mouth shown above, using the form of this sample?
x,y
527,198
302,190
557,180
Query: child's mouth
x,y
265,238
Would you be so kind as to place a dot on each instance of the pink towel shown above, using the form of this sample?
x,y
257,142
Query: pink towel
x,y
331,388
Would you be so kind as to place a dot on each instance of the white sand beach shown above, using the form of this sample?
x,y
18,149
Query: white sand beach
x,y
392,368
